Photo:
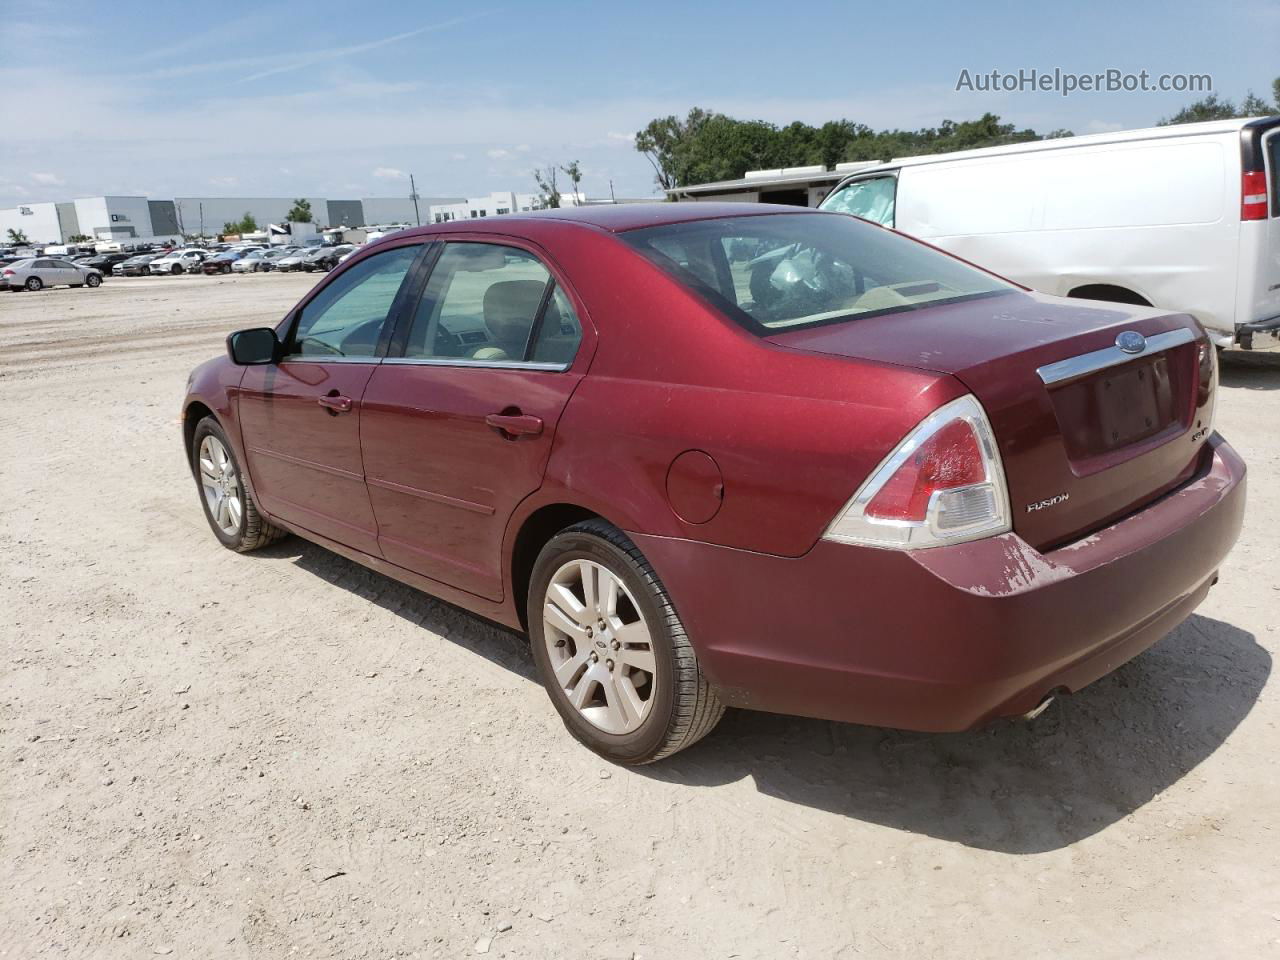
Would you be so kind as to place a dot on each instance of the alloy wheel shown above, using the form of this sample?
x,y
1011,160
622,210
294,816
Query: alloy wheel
x,y
599,646
221,485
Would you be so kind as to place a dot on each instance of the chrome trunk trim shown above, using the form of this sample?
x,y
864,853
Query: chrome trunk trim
x,y
1087,363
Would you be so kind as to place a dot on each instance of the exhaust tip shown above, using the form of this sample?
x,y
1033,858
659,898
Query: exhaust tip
x,y
1043,706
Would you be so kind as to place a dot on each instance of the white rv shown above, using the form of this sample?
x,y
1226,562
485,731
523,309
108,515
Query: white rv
x,y
1182,217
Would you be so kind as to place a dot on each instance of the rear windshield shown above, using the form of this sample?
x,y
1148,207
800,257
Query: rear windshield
x,y
791,271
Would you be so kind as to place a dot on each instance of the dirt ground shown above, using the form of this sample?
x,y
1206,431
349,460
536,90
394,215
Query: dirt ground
x,y
216,756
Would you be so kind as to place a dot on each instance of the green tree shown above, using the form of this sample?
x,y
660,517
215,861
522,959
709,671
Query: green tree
x,y
548,192
79,238
17,236
706,146
246,224
1213,107
301,212
573,171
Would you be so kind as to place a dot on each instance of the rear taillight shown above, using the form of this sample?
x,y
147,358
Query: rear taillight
x,y
8,273
1253,195
943,484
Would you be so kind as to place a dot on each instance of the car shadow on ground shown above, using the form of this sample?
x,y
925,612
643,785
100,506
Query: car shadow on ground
x,y
1252,371
496,643
1090,760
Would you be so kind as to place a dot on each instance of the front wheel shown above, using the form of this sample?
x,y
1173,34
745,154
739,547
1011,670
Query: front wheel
x,y
228,505
611,650
93,280
177,269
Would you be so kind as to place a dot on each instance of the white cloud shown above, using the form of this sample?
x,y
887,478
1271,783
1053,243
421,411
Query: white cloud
x,y
390,173
623,137
459,156
224,181
496,154
523,148
47,179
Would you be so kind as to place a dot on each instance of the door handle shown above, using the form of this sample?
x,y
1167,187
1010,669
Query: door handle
x,y
515,424
336,404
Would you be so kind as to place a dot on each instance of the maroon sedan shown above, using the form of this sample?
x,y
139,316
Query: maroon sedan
x,y
754,456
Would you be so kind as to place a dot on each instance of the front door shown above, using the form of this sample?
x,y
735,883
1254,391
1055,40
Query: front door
x,y
458,421
301,417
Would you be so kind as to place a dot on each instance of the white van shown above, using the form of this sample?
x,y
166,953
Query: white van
x,y
1183,217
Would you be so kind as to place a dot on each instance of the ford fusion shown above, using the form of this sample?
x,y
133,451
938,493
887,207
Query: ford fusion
x,y
734,455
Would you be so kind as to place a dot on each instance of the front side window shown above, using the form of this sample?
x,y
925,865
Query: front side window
x,y
869,199
345,319
488,303
782,272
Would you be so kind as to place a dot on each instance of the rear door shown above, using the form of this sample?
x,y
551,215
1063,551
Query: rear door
x,y
301,417
459,420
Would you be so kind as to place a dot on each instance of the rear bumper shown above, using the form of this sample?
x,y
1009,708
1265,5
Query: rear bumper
x,y
949,638
1259,335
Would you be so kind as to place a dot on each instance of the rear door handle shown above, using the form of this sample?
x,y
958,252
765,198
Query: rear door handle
x,y
338,404
516,424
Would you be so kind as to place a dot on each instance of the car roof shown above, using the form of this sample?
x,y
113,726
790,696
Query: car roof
x,y
613,217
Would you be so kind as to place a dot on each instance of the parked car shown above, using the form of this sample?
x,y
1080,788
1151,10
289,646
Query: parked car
x,y
220,262
178,261
271,258
1185,218
249,262
291,262
48,272
837,473
326,258
105,261
136,266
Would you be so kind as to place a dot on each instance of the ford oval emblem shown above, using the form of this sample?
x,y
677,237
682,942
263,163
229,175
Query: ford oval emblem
x,y
1131,341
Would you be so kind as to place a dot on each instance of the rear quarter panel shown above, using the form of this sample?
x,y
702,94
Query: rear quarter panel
x,y
793,434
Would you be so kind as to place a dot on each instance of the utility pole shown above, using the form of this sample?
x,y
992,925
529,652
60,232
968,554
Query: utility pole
x,y
413,195
611,196
202,220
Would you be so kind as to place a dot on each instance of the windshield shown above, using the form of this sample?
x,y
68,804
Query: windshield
x,y
788,271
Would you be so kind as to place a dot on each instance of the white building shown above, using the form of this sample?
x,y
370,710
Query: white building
x,y
495,205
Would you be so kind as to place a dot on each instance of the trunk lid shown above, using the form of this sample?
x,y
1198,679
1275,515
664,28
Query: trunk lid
x,y
1088,432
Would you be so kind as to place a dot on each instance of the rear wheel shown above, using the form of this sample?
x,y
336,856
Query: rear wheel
x,y
228,505
34,283
611,650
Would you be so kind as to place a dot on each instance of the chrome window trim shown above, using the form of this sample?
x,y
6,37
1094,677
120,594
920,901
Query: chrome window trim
x,y
487,364
317,358
1087,363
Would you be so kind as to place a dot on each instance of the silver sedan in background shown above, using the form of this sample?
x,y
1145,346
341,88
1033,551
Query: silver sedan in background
x,y
41,272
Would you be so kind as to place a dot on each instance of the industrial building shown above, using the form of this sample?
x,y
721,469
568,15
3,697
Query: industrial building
x,y
138,218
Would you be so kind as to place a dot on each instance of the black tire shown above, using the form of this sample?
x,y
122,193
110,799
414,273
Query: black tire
x,y
684,708
34,283
93,280
177,269
254,530
226,268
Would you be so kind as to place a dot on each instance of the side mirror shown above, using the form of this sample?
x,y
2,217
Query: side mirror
x,y
254,346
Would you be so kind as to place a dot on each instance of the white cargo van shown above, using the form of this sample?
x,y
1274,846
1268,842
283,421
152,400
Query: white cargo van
x,y
1182,217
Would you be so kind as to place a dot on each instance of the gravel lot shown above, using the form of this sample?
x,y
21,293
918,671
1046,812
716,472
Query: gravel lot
x,y
209,755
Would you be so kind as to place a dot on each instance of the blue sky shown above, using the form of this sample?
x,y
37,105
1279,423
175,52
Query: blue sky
x,y
343,99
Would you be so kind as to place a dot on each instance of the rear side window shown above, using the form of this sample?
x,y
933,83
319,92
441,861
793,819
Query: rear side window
x,y
346,318
489,303
1273,160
